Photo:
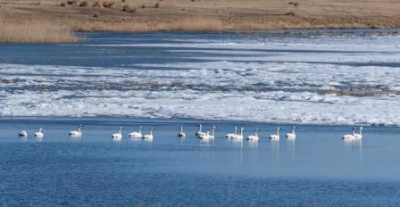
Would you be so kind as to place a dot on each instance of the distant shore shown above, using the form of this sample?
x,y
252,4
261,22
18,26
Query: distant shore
x,y
55,21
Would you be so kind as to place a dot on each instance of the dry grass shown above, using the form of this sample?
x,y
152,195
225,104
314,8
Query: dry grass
x,y
187,16
198,24
35,32
185,24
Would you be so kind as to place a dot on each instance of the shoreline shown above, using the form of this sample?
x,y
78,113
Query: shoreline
x,y
196,16
72,36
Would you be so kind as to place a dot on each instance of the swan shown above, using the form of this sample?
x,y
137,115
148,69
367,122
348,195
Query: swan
x,y
200,132
208,135
136,134
239,136
39,134
253,137
231,135
149,136
77,133
181,133
23,133
276,136
205,136
358,135
349,137
291,135
117,136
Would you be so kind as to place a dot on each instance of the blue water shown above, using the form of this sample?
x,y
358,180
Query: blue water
x,y
322,81
318,169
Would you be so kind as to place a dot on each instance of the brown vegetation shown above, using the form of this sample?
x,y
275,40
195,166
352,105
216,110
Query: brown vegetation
x,y
83,4
127,8
202,15
108,4
35,32
290,14
296,4
71,2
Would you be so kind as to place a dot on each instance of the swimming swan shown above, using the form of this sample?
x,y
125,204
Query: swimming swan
x,y
276,136
117,136
208,135
349,137
200,132
181,133
23,134
149,136
291,135
39,134
231,135
136,134
77,133
253,137
239,136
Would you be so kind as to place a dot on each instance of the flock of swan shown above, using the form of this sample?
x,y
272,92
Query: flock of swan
x,y
236,135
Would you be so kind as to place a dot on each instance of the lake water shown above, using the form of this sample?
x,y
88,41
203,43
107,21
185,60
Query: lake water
x,y
321,81
318,169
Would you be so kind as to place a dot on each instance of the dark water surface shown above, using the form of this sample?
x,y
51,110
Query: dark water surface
x,y
318,169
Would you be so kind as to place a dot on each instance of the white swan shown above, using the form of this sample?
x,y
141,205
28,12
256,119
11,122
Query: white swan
x,y
349,137
291,135
253,137
231,135
208,135
200,132
23,134
239,136
136,134
181,133
117,136
276,136
149,136
77,133
39,134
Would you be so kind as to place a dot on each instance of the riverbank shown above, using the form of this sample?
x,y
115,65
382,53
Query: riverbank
x,y
198,15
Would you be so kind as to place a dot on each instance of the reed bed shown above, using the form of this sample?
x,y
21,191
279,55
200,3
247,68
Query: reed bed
x,y
35,32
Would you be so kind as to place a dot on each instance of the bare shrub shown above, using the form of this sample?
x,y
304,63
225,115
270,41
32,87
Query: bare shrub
x,y
71,2
108,4
292,14
83,4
